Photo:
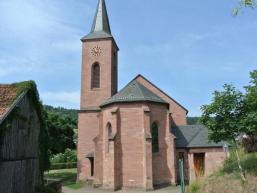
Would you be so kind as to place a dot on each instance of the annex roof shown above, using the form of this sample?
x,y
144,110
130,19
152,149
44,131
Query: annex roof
x,y
134,92
193,136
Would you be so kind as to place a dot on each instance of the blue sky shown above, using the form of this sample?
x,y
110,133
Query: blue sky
x,y
187,48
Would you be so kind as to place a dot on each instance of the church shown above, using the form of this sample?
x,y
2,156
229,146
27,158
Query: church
x,y
133,138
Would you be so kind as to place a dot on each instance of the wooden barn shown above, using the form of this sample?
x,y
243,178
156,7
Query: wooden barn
x,y
19,138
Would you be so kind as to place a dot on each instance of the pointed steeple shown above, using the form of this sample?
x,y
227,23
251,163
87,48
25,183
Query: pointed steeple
x,y
101,21
101,27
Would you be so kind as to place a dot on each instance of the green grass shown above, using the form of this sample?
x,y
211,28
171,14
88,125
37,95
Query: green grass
x,y
248,161
67,176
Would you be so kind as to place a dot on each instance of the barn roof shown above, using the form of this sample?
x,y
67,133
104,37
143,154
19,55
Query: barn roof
x,y
7,96
11,94
134,92
193,136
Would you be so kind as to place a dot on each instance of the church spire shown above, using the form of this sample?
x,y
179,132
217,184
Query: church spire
x,y
101,21
101,27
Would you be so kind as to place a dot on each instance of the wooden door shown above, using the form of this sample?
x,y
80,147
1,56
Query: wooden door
x,y
199,159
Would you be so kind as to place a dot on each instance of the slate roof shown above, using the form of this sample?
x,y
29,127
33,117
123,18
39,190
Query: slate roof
x,y
193,136
134,92
101,26
7,97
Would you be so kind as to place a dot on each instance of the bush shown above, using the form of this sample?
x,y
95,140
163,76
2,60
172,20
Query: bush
x,y
68,165
66,157
195,186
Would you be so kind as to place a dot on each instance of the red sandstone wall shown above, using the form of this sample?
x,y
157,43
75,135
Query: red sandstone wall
x,y
131,124
131,146
88,129
163,162
178,113
214,158
108,81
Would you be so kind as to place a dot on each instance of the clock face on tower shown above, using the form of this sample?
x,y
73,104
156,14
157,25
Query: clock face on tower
x,y
96,51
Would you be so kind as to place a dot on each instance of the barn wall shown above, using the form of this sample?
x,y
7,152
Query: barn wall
x,y
19,159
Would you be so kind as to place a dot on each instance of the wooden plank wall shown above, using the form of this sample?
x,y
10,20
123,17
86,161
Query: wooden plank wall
x,y
19,161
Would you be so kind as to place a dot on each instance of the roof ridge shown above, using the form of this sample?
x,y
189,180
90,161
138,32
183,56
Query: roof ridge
x,y
196,134
134,91
140,75
138,86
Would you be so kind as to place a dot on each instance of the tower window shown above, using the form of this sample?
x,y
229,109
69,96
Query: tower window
x,y
155,138
96,76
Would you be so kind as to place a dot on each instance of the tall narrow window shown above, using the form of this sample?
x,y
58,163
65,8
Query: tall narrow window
x,y
96,76
109,133
155,138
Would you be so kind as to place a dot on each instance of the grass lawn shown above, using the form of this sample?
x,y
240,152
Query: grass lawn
x,y
67,176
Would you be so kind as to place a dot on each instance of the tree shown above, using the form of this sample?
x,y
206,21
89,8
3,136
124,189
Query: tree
x,y
223,115
249,120
245,4
61,132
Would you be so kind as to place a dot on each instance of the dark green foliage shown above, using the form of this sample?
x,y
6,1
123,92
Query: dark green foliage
x,y
222,116
68,165
245,4
248,163
232,113
60,132
31,88
250,106
62,112
193,120
66,157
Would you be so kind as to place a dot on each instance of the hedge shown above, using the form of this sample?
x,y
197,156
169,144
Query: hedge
x,y
58,166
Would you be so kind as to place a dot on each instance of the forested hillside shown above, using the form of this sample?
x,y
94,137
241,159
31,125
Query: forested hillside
x,y
193,120
63,112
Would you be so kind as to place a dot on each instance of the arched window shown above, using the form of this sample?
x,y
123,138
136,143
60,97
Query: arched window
x,y
95,76
108,135
155,137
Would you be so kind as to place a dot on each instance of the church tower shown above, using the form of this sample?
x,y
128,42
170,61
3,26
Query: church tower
x,y
98,83
99,62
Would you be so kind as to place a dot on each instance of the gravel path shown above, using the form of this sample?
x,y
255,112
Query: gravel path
x,y
92,190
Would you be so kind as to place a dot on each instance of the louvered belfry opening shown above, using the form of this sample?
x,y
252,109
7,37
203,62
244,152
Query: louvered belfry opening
x,y
96,76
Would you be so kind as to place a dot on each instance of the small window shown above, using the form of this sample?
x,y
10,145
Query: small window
x,y
109,133
155,137
96,76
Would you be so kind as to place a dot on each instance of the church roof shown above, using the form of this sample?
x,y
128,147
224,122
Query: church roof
x,y
193,136
101,27
134,92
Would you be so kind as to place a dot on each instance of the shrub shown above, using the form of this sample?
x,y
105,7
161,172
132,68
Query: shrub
x,y
68,165
66,157
194,187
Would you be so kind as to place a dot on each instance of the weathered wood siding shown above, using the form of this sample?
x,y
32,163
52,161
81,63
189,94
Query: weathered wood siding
x,y
19,152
